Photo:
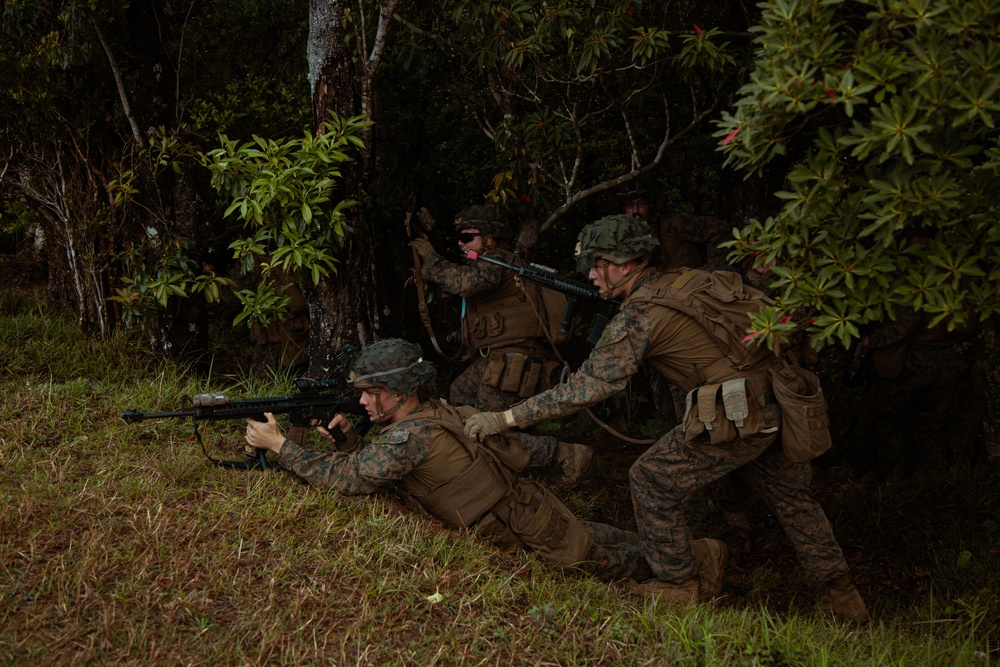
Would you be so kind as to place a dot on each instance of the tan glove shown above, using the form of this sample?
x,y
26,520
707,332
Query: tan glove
x,y
484,424
422,246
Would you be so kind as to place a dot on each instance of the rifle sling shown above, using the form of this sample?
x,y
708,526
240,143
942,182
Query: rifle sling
x,y
418,282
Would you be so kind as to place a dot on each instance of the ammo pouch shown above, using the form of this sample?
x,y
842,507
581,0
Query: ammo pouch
x,y
520,373
487,326
722,412
535,518
805,422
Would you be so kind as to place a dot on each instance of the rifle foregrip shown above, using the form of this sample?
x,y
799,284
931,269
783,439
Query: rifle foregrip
x,y
567,320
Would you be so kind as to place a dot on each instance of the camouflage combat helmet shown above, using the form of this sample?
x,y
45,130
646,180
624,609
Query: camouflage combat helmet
x,y
393,363
631,190
486,219
618,238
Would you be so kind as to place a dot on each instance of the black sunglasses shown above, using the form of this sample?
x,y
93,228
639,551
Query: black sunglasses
x,y
468,237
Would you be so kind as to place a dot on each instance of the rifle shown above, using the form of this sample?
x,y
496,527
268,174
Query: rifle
x,y
314,399
548,278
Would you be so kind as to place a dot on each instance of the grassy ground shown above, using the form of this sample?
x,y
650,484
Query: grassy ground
x,y
119,545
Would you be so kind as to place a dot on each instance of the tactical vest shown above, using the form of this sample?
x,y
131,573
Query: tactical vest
x,y
487,493
506,316
720,303
717,394
469,492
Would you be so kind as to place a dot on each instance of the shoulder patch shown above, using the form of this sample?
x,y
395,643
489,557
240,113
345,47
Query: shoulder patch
x,y
611,336
394,437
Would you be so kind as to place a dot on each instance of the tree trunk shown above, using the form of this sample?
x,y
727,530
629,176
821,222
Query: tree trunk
x,y
341,307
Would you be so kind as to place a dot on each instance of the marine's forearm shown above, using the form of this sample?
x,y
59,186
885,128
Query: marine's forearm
x,y
327,470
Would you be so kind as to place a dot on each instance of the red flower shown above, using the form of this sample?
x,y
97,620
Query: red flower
x,y
697,30
831,94
525,198
630,12
732,135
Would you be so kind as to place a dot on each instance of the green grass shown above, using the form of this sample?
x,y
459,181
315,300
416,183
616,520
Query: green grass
x,y
120,545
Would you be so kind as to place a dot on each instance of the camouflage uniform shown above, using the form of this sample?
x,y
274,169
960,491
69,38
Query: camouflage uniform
x,y
480,281
677,465
686,241
691,241
415,453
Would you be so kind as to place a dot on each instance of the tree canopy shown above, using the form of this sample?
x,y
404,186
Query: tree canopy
x,y
878,117
885,116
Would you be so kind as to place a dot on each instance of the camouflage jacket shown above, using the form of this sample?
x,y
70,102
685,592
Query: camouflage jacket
x,y
631,339
497,312
399,450
466,279
691,240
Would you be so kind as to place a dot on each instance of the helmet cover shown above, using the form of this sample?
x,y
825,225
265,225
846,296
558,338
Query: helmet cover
x,y
393,363
618,238
486,219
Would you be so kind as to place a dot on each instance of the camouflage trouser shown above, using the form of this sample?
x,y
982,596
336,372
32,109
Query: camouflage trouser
x,y
468,389
915,413
541,448
616,553
673,468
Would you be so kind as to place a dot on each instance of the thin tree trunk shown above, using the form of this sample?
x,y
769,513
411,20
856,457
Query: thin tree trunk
x,y
341,308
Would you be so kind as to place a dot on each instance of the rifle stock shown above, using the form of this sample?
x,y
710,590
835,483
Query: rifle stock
x,y
574,289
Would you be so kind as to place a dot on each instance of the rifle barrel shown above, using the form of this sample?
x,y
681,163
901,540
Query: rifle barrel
x,y
548,278
134,416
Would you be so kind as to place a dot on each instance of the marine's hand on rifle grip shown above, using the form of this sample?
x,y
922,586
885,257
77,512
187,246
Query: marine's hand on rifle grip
x,y
337,429
265,435
422,247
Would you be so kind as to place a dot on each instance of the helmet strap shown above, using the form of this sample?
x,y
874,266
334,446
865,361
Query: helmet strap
x,y
640,268
381,416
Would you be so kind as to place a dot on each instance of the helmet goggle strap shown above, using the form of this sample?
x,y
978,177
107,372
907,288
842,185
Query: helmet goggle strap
x,y
610,287
640,267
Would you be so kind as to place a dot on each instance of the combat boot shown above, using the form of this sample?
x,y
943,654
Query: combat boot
x,y
710,556
842,598
574,461
679,594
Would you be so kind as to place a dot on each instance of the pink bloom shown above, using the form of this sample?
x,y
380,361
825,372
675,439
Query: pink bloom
x,y
732,135
697,30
